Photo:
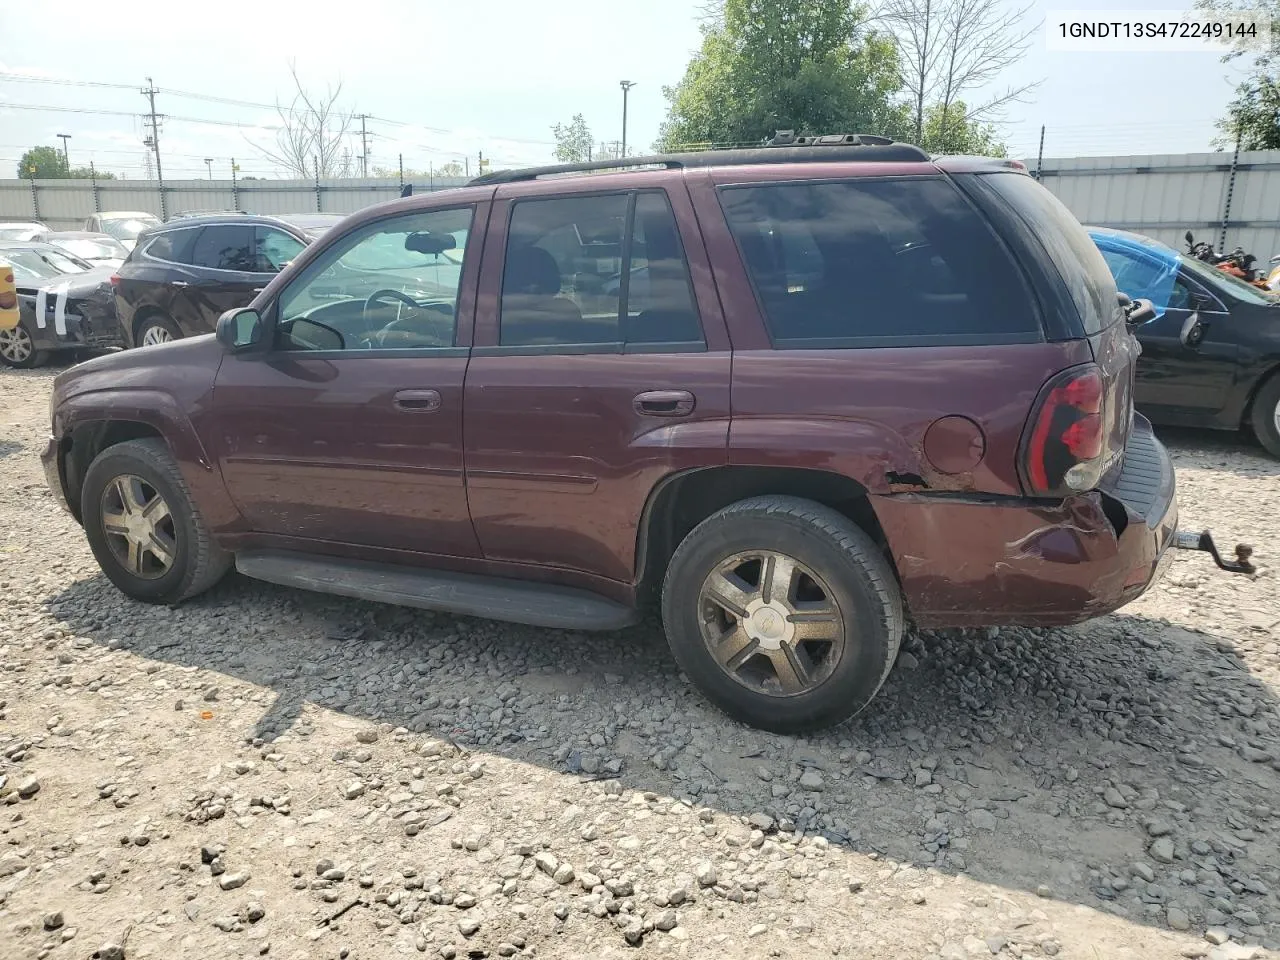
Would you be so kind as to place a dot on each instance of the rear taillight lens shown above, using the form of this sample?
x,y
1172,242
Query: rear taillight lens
x,y
1063,452
115,280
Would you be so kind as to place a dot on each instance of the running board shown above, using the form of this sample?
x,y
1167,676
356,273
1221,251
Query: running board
x,y
494,598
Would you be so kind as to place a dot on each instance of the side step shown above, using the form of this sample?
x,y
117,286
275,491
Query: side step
x,y
516,601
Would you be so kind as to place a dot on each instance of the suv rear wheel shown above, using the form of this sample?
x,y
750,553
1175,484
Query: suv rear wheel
x,y
783,612
144,530
157,328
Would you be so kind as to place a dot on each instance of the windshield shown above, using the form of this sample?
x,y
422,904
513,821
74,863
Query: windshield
x,y
43,264
128,229
1234,285
91,249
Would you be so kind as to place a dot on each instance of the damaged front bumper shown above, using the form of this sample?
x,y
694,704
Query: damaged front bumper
x,y
973,560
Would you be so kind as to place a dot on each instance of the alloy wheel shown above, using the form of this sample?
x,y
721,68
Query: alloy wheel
x,y
139,527
155,334
771,623
1275,416
16,345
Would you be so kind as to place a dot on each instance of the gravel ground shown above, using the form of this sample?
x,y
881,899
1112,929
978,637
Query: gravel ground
x,y
268,772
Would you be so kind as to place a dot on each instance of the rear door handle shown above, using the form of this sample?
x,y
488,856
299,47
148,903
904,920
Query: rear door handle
x,y
664,403
417,401
179,283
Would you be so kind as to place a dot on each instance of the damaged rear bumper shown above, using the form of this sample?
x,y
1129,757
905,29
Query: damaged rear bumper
x,y
973,560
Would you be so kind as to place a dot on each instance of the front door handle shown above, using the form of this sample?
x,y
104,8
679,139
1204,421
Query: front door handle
x,y
664,403
179,283
417,401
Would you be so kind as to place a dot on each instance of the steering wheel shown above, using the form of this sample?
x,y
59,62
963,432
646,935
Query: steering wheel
x,y
381,294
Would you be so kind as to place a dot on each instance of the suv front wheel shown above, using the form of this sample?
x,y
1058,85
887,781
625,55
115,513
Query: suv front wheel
x,y
783,612
143,527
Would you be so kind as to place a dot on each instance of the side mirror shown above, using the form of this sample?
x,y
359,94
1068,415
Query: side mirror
x,y
239,329
1139,312
1192,332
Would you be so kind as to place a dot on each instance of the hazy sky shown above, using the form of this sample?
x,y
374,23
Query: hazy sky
x,y
495,75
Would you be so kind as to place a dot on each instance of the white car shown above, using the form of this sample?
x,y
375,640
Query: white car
x,y
97,249
124,225
23,231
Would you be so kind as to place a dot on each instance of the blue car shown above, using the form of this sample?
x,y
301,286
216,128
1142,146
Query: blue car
x,y
1211,356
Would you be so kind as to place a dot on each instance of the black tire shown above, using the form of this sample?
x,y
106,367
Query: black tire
x,y
159,326
1266,415
197,562
17,349
862,585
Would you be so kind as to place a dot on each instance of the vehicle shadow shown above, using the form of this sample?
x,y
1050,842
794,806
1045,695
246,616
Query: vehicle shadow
x,y
1238,453
1020,758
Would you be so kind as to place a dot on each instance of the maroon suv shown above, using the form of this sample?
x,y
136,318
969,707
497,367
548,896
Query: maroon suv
x,y
796,395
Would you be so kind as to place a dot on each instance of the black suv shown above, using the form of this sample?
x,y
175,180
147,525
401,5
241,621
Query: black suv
x,y
183,275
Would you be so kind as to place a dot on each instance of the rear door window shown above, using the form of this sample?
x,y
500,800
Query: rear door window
x,y
225,247
877,262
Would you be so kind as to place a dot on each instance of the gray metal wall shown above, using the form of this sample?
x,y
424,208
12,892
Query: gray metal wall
x,y
65,204
1160,196
1164,196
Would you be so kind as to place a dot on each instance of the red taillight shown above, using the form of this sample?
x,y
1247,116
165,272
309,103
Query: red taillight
x,y
115,280
1067,434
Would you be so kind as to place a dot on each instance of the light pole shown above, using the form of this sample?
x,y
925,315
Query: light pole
x,y
626,88
208,162
64,137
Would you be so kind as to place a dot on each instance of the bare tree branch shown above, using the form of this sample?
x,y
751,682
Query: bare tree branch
x,y
950,47
311,133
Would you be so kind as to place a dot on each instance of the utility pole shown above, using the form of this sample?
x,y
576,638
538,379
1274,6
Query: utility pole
x,y
626,88
208,164
364,146
235,186
64,137
1040,155
150,94
402,171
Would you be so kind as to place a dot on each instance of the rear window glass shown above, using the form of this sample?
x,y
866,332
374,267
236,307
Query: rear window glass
x,y
172,245
1092,289
877,262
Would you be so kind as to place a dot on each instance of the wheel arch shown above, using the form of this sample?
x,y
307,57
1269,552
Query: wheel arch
x,y
680,501
1265,378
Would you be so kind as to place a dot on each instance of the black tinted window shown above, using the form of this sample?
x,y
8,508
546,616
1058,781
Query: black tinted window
x,y
1092,288
575,274
877,261
172,245
227,247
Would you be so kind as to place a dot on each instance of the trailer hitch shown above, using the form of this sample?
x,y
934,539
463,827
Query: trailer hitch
x,y
1204,542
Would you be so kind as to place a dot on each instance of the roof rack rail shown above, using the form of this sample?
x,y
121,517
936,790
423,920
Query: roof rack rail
x,y
785,147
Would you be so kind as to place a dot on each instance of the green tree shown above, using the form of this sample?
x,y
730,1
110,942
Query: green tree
x,y
951,129
43,163
573,142
812,66
1253,117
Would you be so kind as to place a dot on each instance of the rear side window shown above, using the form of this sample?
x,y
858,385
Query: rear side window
x,y
1092,289
877,262
226,247
596,271
172,245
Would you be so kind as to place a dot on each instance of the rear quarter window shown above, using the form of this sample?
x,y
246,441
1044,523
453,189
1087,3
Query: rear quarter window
x,y
173,246
877,262
1077,259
